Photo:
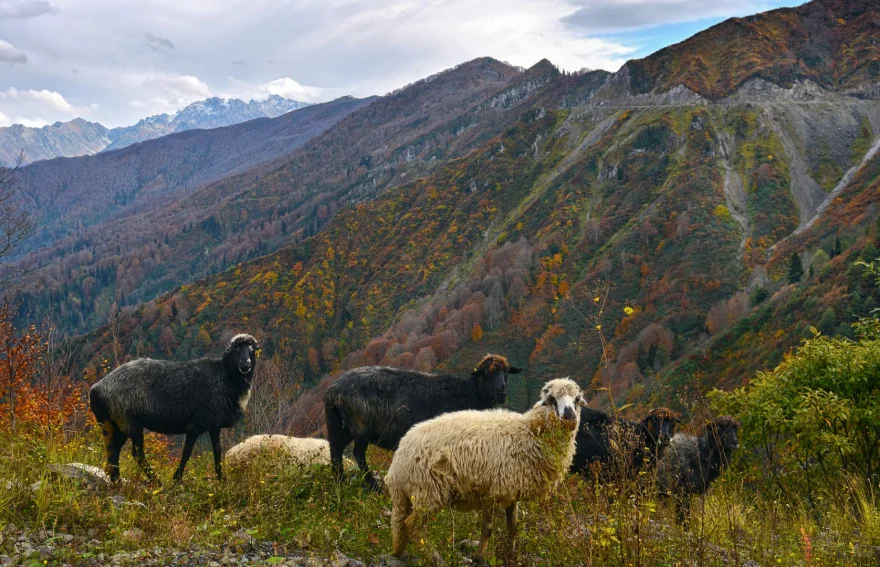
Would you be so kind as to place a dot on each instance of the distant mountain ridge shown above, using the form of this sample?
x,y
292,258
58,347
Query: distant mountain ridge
x,y
75,138
213,112
80,137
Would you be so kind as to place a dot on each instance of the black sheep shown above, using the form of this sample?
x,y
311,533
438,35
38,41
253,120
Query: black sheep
x,y
378,405
192,397
616,443
690,463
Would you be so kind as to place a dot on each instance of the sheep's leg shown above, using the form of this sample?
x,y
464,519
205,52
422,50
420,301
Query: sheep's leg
x,y
401,509
215,446
188,445
137,451
339,437
360,455
114,439
485,534
682,509
510,513
415,524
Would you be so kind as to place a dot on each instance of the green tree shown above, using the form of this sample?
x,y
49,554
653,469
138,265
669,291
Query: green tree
x,y
828,322
795,268
838,248
820,259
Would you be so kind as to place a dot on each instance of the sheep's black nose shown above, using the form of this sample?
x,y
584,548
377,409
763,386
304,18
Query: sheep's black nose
x,y
568,413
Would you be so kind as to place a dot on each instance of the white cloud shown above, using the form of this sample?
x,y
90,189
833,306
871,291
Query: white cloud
x,y
9,54
285,87
170,93
35,108
25,8
49,99
609,16
5,120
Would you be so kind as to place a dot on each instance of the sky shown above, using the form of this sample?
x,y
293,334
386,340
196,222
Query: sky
x,y
117,61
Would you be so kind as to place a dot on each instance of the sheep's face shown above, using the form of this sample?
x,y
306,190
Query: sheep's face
x,y
564,396
241,354
243,357
723,432
660,425
491,375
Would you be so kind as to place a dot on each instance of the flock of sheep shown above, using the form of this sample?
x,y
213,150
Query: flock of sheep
x,y
453,447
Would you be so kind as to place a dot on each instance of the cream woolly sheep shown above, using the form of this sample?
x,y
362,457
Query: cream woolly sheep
x,y
295,450
482,460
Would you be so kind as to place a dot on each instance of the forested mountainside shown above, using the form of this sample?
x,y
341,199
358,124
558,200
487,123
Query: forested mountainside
x,y
383,144
80,137
701,233
71,195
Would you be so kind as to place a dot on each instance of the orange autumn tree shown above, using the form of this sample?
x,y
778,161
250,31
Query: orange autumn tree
x,y
20,359
56,402
34,388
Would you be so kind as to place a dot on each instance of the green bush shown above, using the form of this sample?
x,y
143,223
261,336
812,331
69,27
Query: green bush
x,y
816,417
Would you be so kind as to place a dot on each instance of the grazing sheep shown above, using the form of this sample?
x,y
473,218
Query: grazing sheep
x,y
617,443
690,463
482,460
168,397
378,405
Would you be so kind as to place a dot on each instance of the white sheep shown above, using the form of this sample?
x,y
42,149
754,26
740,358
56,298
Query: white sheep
x,y
296,451
482,460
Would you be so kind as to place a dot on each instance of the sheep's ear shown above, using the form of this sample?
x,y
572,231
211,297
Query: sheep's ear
x,y
514,370
582,401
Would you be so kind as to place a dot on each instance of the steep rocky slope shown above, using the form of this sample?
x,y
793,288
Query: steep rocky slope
x,y
830,42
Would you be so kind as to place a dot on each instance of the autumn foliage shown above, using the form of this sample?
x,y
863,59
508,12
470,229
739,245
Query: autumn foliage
x,y
34,393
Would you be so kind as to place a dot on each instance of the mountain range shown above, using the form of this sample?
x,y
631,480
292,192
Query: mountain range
x,y
80,137
634,230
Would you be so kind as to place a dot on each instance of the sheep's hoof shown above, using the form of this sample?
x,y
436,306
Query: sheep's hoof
x,y
373,484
